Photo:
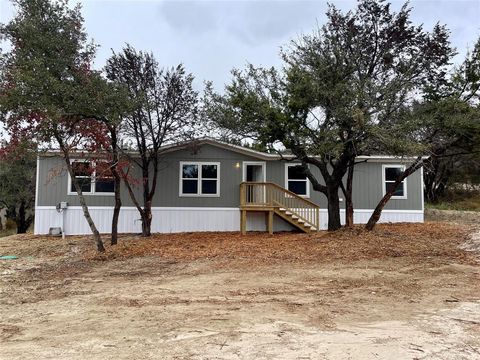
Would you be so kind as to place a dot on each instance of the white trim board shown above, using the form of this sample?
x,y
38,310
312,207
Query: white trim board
x,y
199,178
263,164
384,188
422,189
287,165
36,191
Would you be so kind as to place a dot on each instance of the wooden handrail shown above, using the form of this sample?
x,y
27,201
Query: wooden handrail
x,y
301,198
284,190
269,194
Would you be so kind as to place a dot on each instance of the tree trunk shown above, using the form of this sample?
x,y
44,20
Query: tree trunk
x,y
22,225
348,197
118,181
378,209
141,210
147,219
333,208
116,210
96,235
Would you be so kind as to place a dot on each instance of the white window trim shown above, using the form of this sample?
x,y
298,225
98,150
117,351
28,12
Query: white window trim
x,y
199,179
261,163
384,188
92,181
286,179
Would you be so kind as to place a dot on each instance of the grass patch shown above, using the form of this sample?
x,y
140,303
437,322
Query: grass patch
x,y
458,199
8,232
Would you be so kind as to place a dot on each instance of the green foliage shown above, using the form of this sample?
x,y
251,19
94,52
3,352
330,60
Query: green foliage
x,y
47,84
344,91
458,199
448,120
343,88
50,93
17,179
17,183
45,73
10,225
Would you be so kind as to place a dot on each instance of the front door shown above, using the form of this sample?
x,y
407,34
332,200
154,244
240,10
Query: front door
x,y
254,172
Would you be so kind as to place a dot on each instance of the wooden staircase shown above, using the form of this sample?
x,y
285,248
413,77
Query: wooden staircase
x,y
273,199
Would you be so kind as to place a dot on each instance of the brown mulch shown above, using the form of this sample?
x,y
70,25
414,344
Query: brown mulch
x,y
429,242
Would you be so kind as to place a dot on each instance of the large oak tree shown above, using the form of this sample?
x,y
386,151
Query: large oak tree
x,y
339,93
49,91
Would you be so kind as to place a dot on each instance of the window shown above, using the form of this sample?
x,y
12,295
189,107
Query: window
x,y
93,177
199,179
390,175
83,174
104,181
296,180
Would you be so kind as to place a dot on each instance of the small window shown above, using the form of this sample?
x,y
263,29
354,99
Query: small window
x,y
296,180
199,179
83,174
93,177
190,179
390,175
104,181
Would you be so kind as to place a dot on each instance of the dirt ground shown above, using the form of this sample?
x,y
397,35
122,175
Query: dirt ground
x,y
405,291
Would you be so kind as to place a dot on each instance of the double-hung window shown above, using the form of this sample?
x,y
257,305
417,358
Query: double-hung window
x,y
82,171
296,180
104,181
390,175
199,179
93,178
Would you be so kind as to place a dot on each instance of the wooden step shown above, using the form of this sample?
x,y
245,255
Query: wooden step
x,y
294,220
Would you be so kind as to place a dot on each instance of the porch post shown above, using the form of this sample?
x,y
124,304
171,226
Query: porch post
x,y
318,219
243,222
270,222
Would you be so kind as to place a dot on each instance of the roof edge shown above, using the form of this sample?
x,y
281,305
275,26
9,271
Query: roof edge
x,y
244,151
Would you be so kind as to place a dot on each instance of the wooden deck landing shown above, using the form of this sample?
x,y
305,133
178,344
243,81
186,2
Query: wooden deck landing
x,y
272,199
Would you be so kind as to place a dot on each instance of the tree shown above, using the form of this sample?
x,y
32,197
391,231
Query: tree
x,y
454,129
447,124
451,111
17,183
48,88
337,93
112,103
164,111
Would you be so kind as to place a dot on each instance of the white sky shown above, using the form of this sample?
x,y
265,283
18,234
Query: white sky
x,y
212,37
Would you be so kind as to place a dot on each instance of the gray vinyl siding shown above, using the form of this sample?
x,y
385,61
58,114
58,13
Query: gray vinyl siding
x,y
53,181
367,186
53,186
367,190
230,178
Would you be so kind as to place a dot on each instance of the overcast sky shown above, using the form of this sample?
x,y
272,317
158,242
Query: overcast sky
x,y
212,37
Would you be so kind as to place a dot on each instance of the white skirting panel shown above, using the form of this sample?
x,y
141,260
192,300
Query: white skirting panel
x,y
361,216
171,220
256,222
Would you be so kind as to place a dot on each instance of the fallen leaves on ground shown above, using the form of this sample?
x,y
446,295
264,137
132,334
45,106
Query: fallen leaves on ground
x,y
425,242
416,241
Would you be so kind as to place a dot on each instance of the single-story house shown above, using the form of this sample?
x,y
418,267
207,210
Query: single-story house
x,y
209,185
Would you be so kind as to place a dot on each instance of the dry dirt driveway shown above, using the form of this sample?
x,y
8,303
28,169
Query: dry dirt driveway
x,y
402,292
